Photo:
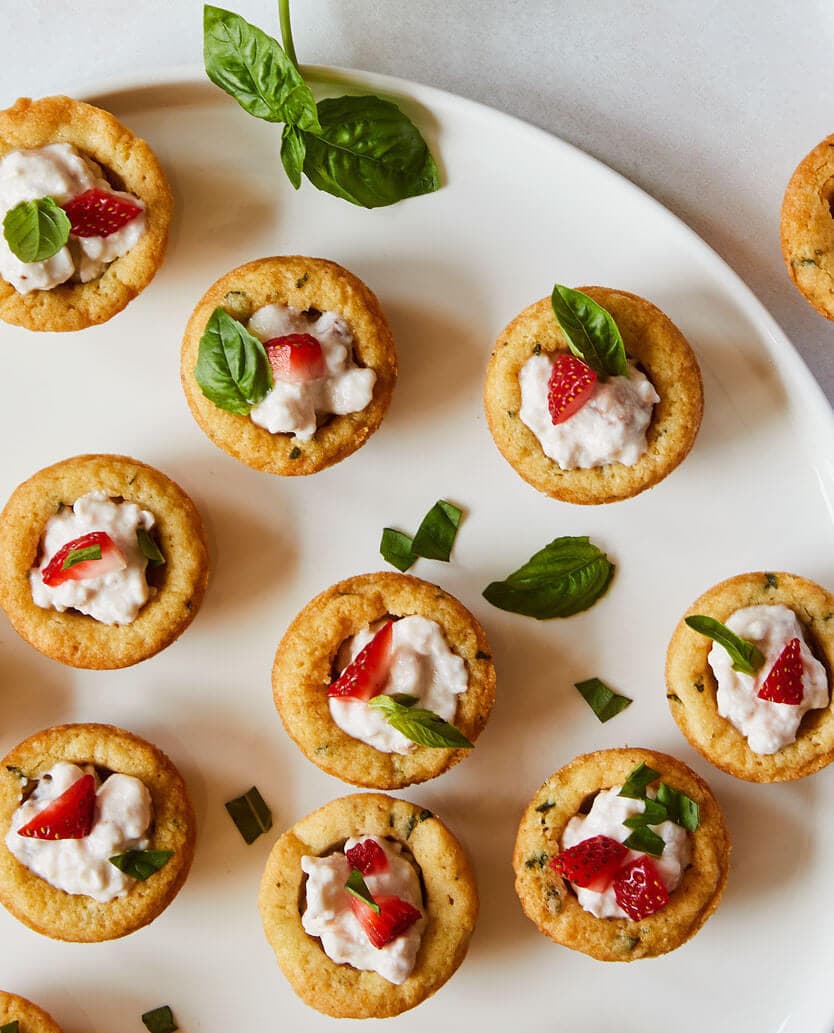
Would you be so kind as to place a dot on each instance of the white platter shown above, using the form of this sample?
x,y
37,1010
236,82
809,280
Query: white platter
x,y
518,211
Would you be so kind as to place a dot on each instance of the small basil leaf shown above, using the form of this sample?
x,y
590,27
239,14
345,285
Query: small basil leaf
x,y
250,814
148,547
604,702
653,814
36,230
646,841
395,548
745,656
232,369
160,1020
592,334
251,67
436,534
635,785
368,152
141,864
567,576
293,150
682,809
421,726
76,556
358,888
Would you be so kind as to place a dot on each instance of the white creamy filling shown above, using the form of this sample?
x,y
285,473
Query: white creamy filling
x,y
292,407
60,172
115,597
82,866
609,428
606,818
767,726
422,665
329,914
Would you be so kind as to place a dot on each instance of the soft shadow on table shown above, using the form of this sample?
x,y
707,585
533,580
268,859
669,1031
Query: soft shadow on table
x,y
34,690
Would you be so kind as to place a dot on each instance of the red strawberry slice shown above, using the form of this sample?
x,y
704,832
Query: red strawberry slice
x,y
296,358
368,857
570,386
112,558
365,676
96,213
783,683
638,889
70,816
592,863
394,918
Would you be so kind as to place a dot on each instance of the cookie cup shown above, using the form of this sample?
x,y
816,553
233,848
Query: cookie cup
x,y
74,917
30,1018
657,347
692,688
304,669
551,904
450,904
74,638
301,283
127,163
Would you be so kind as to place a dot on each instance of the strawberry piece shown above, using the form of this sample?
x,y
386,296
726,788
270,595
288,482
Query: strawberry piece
x,y
638,889
569,388
296,358
69,816
783,683
592,863
365,676
368,857
394,918
96,213
112,558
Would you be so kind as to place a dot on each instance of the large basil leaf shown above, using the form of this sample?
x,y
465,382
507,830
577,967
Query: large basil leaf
x,y
293,150
251,67
565,577
36,230
232,368
369,153
592,334
745,656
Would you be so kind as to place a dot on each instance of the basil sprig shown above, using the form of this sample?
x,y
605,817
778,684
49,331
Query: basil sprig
x,y
745,656
668,805
11,1027
434,538
232,368
141,864
76,556
567,576
251,814
419,725
604,702
148,547
36,230
160,1020
357,887
592,334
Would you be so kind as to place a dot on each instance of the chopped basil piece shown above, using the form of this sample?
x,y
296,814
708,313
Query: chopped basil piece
x,y
682,809
11,1027
421,726
436,534
395,548
148,547
592,334
74,556
745,656
232,369
604,702
36,230
635,785
646,841
141,864
251,815
295,452
19,773
653,814
160,1020
357,888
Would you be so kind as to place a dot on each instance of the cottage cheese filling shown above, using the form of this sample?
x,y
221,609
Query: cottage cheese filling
x,y
329,914
767,726
422,665
115,597
292,407
60,172
82,866
609,428
606,819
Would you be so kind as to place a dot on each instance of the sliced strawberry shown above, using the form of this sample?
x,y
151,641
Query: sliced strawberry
x,y
296,358
638,889
570,386
783,683
368,857
56,572
394,918
365,676
96,213
592,863
70,816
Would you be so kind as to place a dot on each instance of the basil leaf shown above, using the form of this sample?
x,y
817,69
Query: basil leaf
x,y
293,150
250,814
592,334
36,230
746,657
635,785
436,534
421,726
604,702
160,1020
141,864
75,556
148,547
232,368
368,152
395,548
653,814
11,1027
251,67
682,809
357,887
565,577
646,841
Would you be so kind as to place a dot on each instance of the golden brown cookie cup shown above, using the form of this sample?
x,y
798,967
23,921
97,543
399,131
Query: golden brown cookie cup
x,y
654,343
74,638
30,1018
301,283
692,688
551,904
304,668
129,164
450,904
74,917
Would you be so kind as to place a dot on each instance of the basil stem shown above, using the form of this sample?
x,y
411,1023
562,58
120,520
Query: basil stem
x,y
250,814
286,30
745,656
357,887
604,702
